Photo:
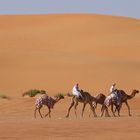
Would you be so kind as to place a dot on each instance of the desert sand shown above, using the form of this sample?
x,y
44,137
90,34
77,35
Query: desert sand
x,y
53,52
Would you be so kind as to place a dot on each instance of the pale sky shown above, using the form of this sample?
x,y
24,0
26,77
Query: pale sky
x,y
129,8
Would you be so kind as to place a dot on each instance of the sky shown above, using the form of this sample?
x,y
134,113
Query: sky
x,y
128,8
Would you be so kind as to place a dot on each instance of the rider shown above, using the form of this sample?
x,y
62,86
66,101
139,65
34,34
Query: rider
x,y
114,93
76,92
113,88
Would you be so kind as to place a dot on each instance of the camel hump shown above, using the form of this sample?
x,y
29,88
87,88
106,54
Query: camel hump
x,y
101,95
84,93
44,96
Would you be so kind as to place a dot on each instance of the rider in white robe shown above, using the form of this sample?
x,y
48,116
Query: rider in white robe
x,y
76,92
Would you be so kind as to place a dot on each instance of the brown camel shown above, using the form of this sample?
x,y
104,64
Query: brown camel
x,y
87,99
48,101
100,98
123,97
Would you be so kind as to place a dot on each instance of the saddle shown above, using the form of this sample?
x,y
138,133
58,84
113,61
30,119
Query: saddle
x,y
82,95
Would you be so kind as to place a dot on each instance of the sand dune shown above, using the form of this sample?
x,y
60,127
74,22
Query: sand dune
x,y
53,52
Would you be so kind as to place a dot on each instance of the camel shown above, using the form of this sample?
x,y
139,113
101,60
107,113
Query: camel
x,y
123,99
100,98
48,101
87,99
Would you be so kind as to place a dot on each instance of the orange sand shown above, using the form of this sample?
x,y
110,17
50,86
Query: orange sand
x,y
53,52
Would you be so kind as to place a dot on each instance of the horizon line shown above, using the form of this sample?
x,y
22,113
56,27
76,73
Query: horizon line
x,y
69,13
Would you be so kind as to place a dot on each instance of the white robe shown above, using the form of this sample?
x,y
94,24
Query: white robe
x,y
108,98
112,89
76,92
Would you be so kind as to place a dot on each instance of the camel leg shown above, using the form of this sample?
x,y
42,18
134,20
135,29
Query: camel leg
x,y
112,110
72,104
48,113
96,105
90,113
118,109
83,109
75,106
102,110
40,112
106,112
35,112
102,113
128,108
93,110
115,109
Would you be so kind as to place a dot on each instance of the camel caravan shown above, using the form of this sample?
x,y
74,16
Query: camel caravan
x,y
114,99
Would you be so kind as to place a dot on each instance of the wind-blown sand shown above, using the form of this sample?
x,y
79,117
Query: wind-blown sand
x,y
53,52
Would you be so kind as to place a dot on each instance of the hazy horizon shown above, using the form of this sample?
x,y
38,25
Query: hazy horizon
x,y
127,8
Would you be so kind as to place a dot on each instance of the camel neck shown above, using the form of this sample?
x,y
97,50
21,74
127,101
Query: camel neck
x,y
132,95
56,100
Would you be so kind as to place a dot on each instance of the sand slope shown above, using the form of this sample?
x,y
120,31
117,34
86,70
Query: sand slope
x,y
53,52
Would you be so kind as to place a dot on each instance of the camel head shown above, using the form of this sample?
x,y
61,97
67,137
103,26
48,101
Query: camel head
x,y
135,91
59,96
